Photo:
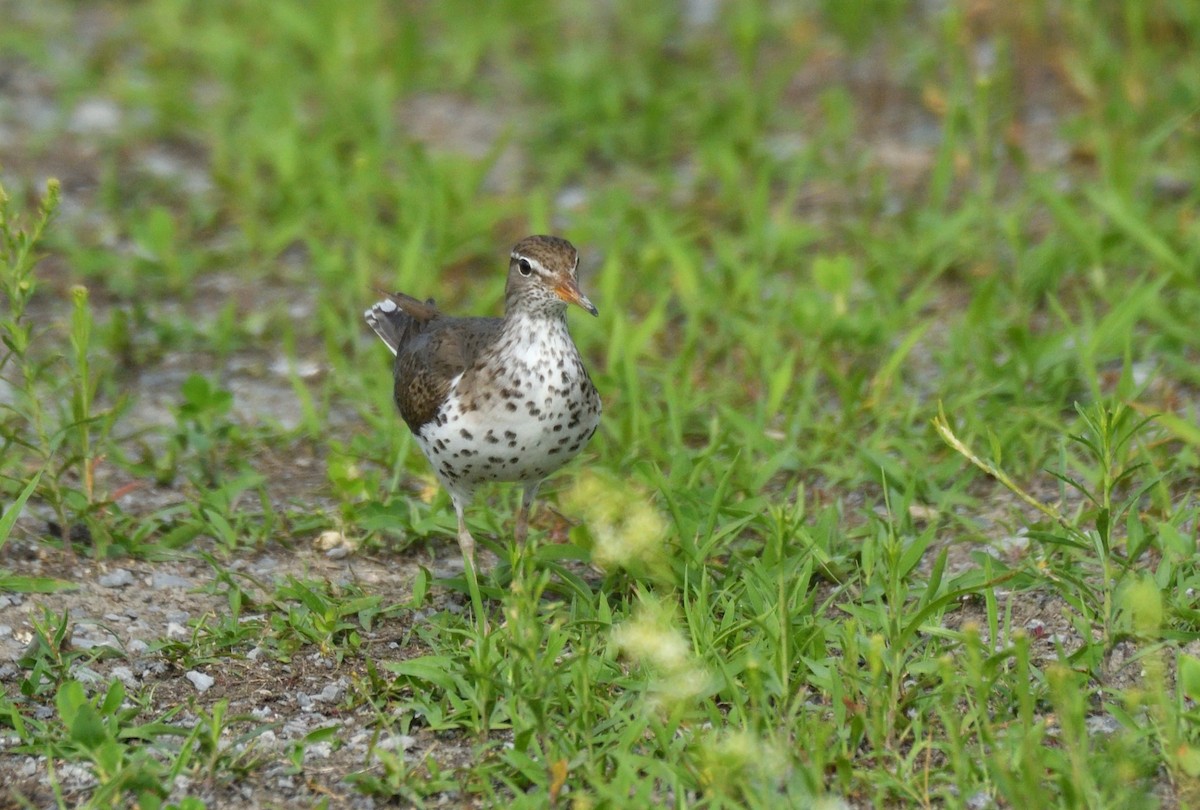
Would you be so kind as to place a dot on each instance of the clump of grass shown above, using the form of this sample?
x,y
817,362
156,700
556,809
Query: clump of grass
x,y
19,583
1113,495
51,423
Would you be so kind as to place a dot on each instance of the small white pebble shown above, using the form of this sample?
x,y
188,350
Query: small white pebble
x,y
86,675
394,741
118,578
1104,724
199,680
96,116
321,750
125,676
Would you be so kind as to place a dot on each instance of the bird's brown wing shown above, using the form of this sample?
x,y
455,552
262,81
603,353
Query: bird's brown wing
x,y
430,355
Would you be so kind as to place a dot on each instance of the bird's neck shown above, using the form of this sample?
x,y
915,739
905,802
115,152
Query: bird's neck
x,y
520,320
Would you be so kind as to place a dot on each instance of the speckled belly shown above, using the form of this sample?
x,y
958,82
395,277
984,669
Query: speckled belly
x,y
511,435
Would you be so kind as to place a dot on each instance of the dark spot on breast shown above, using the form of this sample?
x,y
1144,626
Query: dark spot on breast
x,y
508,434
495,460
512,406
514,459
466,434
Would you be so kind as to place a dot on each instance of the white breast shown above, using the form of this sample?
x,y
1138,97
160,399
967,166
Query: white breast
x,y
535,414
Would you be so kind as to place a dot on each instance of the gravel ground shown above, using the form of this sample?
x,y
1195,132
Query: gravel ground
x,y
127,615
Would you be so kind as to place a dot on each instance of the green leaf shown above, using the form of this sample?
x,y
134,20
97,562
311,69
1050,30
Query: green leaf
x,y
1183,429
16,583
86,726
1189,676
1178,545
68,699
322,734
1143,600
431,669
113,698
1188,759
1135,226
9,518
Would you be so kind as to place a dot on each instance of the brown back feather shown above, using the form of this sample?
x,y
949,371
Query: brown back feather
x,y
432,350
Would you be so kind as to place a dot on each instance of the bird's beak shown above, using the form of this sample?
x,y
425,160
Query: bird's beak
x,y
569,292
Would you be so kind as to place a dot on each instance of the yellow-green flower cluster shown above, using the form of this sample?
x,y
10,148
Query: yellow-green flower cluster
x,y
628,531
651,639
733,761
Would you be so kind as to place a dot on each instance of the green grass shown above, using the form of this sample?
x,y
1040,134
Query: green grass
x,y
893,500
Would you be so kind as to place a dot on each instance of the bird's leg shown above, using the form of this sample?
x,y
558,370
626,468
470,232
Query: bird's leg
x,y
465,541
521,530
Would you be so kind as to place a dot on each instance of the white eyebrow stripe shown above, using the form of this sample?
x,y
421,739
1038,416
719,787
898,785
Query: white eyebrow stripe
x,y
534,263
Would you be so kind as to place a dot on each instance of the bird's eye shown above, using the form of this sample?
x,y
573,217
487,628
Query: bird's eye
x,y
523,266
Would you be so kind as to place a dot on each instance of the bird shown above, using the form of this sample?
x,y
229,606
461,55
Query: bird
x,y
495,399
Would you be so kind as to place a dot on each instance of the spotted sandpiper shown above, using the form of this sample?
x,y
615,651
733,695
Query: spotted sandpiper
x,y
495,399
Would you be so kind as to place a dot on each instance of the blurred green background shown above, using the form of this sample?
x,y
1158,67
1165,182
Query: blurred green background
x,y
809,228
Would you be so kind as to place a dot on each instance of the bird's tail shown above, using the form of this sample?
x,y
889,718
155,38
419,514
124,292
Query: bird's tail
x,y
397,316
